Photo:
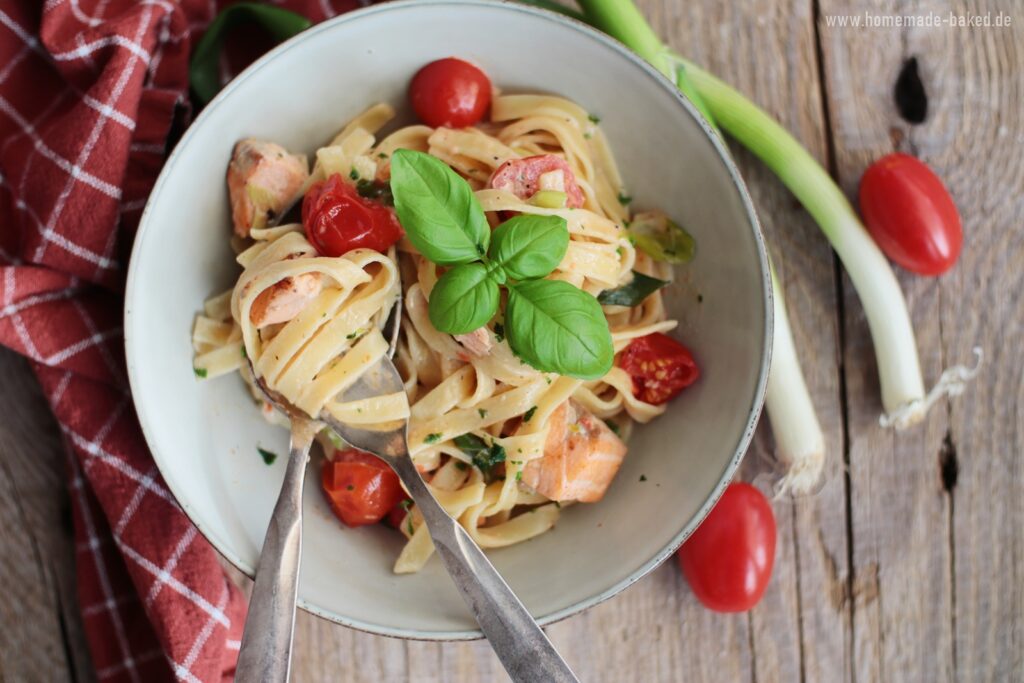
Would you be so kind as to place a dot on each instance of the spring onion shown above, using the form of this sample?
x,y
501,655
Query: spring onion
x,y
549,199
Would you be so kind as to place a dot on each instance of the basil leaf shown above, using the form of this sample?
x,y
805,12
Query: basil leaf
x,y
556,327
529,247
662,238
437,208
485,457
633,293
464,299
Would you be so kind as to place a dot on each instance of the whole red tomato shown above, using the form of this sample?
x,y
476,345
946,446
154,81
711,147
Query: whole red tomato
x,y
910,214
338,220
450,92
660,367
360,487
728,559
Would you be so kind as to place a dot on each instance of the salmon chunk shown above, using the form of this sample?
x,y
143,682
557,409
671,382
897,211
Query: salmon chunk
x,y
263,178
477,342
581,457
284,301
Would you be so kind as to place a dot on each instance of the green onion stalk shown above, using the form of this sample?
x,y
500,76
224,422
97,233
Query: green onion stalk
x,y
798,435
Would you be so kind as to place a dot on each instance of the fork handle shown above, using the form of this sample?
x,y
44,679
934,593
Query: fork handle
x,y
265,654
517,639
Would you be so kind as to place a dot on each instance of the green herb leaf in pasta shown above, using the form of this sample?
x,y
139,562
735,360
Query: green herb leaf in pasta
x,y
484,456
465,298
437,208
529,247
633,293
556,327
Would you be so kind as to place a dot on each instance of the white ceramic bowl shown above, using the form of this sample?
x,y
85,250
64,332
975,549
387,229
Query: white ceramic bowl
x,y
204,434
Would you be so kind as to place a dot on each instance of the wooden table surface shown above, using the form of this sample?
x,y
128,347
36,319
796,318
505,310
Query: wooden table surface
x,y
909,564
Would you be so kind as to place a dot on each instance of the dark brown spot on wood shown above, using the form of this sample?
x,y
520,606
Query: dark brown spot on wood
x,y
866,586
911,99
949,465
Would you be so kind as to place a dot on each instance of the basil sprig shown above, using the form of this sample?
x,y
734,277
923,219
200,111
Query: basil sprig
x,y
632,293
550,324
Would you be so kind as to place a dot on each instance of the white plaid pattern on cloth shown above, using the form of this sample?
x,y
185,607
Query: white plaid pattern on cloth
x,y
89,93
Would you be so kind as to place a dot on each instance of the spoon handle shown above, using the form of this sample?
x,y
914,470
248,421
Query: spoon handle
x,y
517,639
265,654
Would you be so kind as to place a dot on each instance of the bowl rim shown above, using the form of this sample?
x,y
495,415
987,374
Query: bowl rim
x,y
133,356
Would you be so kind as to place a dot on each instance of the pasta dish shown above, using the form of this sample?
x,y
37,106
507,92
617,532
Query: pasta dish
x,y
519,397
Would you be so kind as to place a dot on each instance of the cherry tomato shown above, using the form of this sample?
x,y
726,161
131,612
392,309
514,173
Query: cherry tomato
x,y
728,559
450,92
521,177
360,487
660,367
910,214
338,220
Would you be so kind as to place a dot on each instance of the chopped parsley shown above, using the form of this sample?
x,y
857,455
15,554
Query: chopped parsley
x,y
372,189
587,136
409,526
354,334
484,456
483,413
405,504
382,155
200,372
529,414
350,487
461,466
624,199
499,332
594,118
432,438
558,505
244,354
643,477
614,427
353,174
268,456
519,475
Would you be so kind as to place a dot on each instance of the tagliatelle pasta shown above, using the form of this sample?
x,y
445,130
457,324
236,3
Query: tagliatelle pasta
x,y
453,387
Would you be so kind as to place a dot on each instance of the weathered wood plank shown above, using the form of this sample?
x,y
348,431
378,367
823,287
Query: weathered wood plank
x,y
937,586
36,543
975,82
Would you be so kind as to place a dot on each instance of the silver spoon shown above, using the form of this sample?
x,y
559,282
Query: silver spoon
x,y
265,654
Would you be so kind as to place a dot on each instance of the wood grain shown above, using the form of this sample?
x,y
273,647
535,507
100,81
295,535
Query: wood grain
x,y
937,581
41,637
907,565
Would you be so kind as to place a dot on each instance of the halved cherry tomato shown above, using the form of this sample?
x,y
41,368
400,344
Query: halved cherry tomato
x,y
521,177
910,214
360,487
338,220
728,560
450,92
660,367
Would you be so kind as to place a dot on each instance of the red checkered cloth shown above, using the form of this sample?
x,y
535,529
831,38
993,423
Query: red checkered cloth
x,y
89,90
